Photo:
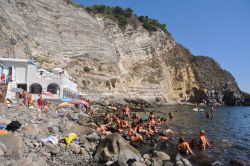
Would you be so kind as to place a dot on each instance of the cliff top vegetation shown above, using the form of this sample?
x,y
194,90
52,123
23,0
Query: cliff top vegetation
x,y
123,16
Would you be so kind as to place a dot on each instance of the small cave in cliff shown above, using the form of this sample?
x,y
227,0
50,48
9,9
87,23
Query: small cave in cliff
x,y
198,96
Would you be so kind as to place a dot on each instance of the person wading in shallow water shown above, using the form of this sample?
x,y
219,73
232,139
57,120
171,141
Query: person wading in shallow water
x,y
203,140
212,111
183,147
207,115
184,150
170,116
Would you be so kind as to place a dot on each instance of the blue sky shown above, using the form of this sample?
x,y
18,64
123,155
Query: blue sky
x,y
216,28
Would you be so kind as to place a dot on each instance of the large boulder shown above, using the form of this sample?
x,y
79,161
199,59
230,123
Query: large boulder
x,y
80,130
53,129
30,129
93,137
237,163
126,155
137,163
202,159
12,146
112,146
83,139
31,160
75,148
83,119
162,155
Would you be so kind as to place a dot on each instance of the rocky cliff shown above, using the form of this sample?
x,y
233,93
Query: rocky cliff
x,y
107,60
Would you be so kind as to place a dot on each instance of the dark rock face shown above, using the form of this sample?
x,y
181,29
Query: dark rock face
x,y
216,86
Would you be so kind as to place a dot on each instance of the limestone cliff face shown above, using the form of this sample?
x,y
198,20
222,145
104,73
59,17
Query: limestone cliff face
x,y
106,60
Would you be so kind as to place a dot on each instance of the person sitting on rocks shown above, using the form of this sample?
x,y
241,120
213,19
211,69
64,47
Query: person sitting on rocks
x,y
163,121
126,111
102,128
152,118
158,120
150,132
107,119
183,147
133,135
124,123
203,140
116,120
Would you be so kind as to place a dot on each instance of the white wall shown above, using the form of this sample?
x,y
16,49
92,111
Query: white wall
x,y
19,74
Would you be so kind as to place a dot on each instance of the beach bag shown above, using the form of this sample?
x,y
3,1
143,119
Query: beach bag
x,y
13,126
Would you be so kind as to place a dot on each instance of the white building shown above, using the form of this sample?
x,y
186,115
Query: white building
x,y
24,74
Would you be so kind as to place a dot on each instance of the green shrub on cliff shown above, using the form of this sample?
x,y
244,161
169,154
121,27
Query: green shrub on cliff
x,y
126,16
151,24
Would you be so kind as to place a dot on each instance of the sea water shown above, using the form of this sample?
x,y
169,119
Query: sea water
x,y
228,132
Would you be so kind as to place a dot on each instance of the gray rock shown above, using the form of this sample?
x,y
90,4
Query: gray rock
x,y
237,163
136,163
146,156
29,144
82,119
83,139
125,155
54,150
84,152
162,155
148,162
93,137
1,152
72,116
53,129
92,146
13,144
3,147
157,162
110,147
110,163
4,121
168,163
75,148
30,130
29,161
62,146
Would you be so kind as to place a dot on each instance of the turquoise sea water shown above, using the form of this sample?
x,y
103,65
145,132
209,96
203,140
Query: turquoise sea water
x,y
228,132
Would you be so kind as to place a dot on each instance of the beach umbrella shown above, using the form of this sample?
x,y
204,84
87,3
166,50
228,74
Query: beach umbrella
x,y
65,104
17,90
47,93
77,101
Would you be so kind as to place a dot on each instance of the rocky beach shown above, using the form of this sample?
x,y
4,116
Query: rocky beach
x,y
27,145
41,141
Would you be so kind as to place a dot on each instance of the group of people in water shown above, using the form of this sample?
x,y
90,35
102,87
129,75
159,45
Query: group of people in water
x,y
132,126
137,130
